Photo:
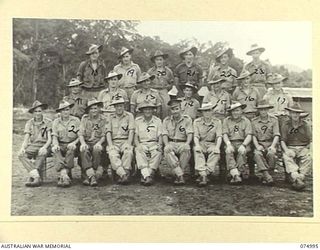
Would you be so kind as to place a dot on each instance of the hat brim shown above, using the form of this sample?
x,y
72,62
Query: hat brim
x,y
278,81
100,48
261,49
171,102
75,85
119,76
243,77
265,107
222,52
100,104
151,78
242,106
43,106
149,106
123,53
70,106
295,110
216,82
113,104
165,56
194,88
207,108
194,51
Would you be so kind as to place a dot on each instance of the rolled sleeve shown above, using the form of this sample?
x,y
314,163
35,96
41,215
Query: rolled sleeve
x,y
276,130
55,128
219,129
196,130
248,128
189,127
165,128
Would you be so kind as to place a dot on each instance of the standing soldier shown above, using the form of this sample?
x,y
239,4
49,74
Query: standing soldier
x,y
266,135
76,97
92,136
237,135
177,136
145,93
120,135
148,142
207,142
218,96
189,104
296,142
112,92
65,142
130,71
163,81
92,72
36,143
188,70
258,68
223,54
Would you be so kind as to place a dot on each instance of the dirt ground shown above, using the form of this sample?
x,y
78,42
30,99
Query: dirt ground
x,y
161,199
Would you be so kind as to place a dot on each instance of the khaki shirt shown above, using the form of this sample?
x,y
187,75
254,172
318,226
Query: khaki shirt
x,y
229,74
93,130
177,129
190,107
66,132
164,78
140,96
237,130
106,96
93,79
259,71
207,131
129,73
80,104
265,130
38,131
119,127
148,131
222,100
300,136
251,98
280,101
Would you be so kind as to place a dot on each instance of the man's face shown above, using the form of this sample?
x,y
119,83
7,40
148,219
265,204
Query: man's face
x,y
65,113
75,89
147,112
263,112
37,113
146,84
255,54
216,86
113,82
246,82
176,110
119,108
295,116
94,110
224,59
159,61
188,92
207,113
236,113
95,55
277,86
188,56
126,58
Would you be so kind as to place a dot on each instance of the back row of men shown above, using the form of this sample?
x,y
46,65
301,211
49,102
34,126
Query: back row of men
x,y
221,126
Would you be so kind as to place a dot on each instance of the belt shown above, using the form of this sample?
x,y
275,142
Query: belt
x,y
177,140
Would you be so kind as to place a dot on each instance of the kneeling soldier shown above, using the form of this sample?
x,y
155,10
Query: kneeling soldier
x,y
296,139
148,141
92,136
36,143
120,133
237,135
265,139
177,136
65,142
207,141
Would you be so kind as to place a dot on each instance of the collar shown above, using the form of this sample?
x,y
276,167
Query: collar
x,y
241,118
172,119
121,116
262,121
35,122
301,123
204,122
150,121
99,62
192,64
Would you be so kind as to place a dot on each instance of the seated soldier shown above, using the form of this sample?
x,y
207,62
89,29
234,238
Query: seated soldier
x,y
120,135
296,142
266,135
207,142
189,104
237,135
92,136
177,136
77,98
65,142
145,93
36,143
148,142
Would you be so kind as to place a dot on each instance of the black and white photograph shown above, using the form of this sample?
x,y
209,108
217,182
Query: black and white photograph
x,y
137,117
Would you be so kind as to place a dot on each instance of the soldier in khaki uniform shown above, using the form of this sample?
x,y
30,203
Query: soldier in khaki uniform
x,y
65,142
258,68
296,142
266,135
219,97
92,72
189,104
207,142
177,136
146,93
36,143
112,92
163,81
237,135
120,135
130,71
148,142
77,98
92,136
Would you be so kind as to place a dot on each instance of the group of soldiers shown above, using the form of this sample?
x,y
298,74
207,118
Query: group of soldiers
x,y
129,118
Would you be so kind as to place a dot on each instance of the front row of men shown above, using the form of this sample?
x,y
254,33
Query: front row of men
x,y
119,136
